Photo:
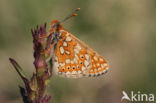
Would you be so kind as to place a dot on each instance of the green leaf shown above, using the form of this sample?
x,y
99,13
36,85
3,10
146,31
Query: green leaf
x,y
18,68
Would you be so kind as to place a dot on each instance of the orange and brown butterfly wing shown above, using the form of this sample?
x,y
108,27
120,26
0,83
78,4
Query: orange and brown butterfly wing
x,y
73,58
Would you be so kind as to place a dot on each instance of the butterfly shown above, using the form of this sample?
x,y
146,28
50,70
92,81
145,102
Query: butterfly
x,y
73,58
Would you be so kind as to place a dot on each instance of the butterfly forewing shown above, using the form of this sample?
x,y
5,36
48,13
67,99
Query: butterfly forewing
x,y
73,58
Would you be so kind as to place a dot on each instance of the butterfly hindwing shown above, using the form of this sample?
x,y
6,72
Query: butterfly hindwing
x,y
73,58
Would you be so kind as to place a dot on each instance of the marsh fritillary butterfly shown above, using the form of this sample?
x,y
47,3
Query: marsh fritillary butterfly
x,y
72,57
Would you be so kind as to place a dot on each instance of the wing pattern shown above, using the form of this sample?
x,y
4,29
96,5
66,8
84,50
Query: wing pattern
x,y
75,59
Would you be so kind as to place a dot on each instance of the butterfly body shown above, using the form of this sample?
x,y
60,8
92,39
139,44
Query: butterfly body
x,y
72,57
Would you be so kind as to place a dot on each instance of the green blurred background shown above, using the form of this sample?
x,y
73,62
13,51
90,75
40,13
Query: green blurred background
x,y
122,31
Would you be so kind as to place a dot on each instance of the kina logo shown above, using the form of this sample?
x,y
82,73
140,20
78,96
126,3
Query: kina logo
x,y
138,96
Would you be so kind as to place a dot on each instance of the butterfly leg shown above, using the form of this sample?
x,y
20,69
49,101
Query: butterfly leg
x,y
48,43
45,36
50,50
47,49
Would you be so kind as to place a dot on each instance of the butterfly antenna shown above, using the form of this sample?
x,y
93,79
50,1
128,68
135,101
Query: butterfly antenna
x,y
72,15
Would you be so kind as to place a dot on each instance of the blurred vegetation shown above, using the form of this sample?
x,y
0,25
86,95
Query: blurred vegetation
x,y
122,31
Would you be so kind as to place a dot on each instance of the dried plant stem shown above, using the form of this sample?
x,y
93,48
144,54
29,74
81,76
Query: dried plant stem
x,y
35,87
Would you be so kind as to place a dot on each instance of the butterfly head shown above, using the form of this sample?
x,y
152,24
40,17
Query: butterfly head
x,y
55,25
55,30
